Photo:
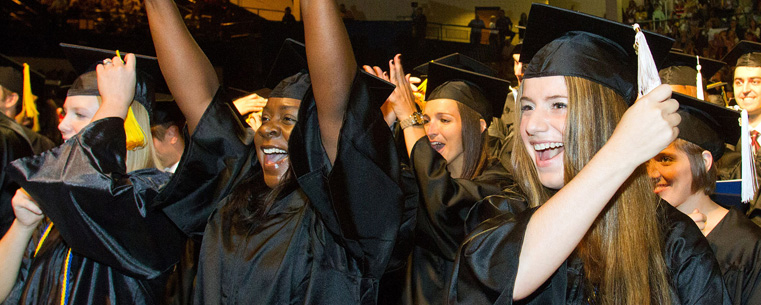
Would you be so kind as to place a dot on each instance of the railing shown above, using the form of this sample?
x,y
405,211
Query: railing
x,y
265,13
456,33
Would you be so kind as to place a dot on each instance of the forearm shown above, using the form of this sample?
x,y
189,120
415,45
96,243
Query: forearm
x,y
331,66
411,136
558,226
12,247
189,74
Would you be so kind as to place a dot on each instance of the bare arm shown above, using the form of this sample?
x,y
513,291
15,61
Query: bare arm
x,y
558,226
14,243
189,74
331,67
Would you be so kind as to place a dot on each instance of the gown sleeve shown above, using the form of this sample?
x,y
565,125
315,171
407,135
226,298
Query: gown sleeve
x,y
100,210
487,264
446,201
360,198
219,150
695,274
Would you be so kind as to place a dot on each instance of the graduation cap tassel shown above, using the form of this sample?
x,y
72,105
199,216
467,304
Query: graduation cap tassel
x,y
135,136
647,73
28,107
699,80
749,185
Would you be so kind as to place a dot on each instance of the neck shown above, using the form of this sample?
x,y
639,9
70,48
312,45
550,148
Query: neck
x,y
455,167
714,212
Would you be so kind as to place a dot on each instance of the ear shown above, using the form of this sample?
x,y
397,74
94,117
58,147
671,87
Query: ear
x,y
483,124
172,133
707,159
10,101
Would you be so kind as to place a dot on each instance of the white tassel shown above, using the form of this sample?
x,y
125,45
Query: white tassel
x,y
647,73
699,81
749,185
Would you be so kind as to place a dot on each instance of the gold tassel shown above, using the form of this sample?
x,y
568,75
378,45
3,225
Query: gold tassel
x,y
28,107
135,135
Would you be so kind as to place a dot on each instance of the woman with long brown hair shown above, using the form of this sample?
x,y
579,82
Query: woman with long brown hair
x,y
595,233
448,149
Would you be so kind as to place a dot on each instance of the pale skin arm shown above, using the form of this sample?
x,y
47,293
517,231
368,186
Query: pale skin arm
x,y
14,243
402,100
331,67
188,73
558,226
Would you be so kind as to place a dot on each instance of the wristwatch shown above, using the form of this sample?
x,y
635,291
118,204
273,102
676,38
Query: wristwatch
x,y
416,118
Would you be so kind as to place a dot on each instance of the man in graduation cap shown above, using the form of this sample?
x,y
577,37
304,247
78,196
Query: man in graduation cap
x,y
16,141
168,140
746,56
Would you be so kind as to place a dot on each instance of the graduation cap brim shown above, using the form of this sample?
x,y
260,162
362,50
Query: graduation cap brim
x,y
36,78
708,66
539,32
494,89
291,59
84,59
743,47
459,61
380,89
720,121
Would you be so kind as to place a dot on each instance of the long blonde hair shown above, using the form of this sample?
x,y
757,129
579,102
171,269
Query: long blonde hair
x,y
623,250
143,157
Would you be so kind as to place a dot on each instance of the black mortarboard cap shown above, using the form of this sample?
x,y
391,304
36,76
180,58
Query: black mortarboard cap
x,y
707,125
460,61
482,93
289,74
85,59
681,69
12,77
561,42
744,54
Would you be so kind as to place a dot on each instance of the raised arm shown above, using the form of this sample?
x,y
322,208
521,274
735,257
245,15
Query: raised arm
x,y
558,226
14,243
332,67
189,74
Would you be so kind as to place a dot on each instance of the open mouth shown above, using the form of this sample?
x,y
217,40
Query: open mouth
x,y
437,146
660,187
548,150
274,156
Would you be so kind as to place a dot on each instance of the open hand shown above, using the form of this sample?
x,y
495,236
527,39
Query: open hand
x,y
250,103
116,81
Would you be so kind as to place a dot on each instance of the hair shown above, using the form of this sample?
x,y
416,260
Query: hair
x,y
141,158
474,143
250,200
623,250
702,179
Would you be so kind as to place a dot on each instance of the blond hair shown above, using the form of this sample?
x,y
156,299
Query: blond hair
x,y
623,250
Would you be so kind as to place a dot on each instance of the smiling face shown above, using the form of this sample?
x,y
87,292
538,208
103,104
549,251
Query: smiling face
x,y
671,172
544,107
444,128
279,117
78,112
747,89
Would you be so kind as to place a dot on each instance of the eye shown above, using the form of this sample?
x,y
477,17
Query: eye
x,y
738,82
756,82
290,119
445,120
559,105
80,115
265,118
526,107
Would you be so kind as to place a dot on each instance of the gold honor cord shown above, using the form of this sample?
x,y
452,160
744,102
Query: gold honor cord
x,y
64,299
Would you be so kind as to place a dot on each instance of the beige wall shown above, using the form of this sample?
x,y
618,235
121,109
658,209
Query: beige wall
x,y
438,11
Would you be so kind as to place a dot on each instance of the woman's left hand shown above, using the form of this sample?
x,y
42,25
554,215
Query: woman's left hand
x,y
116,82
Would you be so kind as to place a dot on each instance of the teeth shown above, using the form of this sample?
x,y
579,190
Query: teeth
x,y
543,146
274,151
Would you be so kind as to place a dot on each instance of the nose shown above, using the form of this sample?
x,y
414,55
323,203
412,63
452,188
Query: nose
x,y
269,130
652,169
536,122
63,126
746,88
431,129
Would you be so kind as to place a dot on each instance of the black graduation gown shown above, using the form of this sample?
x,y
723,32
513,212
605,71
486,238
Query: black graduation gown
x,y
488,262
326,242
440,226
121,246
16,141
736,241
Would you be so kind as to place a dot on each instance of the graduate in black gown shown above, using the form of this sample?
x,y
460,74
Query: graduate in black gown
x,y
596,233
16,141
449,156
308,207
685,175
680,71
101,240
